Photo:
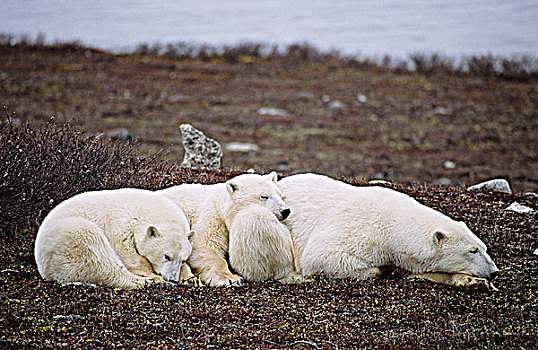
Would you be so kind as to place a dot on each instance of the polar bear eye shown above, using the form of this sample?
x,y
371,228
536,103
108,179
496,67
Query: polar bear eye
x,y
473,251
264,197
167,257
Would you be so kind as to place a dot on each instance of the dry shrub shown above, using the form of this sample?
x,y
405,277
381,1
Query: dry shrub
x,y
41,168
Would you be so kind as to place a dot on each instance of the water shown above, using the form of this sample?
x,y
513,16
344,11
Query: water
x,y
367,28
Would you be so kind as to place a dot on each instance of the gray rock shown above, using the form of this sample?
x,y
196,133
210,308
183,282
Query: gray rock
x,y
305,95
201,152
240,147
449,164
440,111
496,185
272,111
520,208
362,98
336,105
121,134
443,181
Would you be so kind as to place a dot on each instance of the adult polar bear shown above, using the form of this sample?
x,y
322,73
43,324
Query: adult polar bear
x,y
211,209
343,230
122,238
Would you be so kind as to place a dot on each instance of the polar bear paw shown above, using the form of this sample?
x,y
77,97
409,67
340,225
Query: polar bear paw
x,y
224,280
472,282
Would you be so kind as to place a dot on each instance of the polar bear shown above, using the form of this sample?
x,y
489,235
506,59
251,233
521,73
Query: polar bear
x,y
343,230
122,238
260,246
207,208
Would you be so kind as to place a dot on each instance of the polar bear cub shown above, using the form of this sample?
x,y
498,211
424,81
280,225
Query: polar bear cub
x,y
261,247
343,230
209,209
122,238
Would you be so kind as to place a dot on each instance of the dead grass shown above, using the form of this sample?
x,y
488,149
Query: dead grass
x,y
48,165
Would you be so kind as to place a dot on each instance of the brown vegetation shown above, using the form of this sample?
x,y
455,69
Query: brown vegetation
x,y
488,129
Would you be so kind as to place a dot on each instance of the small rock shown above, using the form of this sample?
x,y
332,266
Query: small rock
x,y
379,182
336,105
305,95
520,208
443,181
362,98
240,147
179,98
201,152
283,167
536,252
496,185
449,164
272,111
121,134
68,318
325,98
440,111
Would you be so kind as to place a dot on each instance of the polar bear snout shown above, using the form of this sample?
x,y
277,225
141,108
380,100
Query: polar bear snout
x,y
284,214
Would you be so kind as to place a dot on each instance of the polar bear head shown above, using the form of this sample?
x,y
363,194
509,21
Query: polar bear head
x,y
253,189
166,246
458,250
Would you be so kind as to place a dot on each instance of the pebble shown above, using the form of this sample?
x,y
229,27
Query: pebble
x,y
305,95
68,318
272,111
520,208
336,105
362,98
496,185
240,147
440,111
443,181
179,98
379,182
325,98
201,152
536,252
449,164
121,134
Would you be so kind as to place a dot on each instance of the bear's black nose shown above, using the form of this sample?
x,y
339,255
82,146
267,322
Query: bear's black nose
x,y
493,275
285,213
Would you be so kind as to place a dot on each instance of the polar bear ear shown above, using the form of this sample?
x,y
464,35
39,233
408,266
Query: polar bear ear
x,y
439,238
273,176
231,187
152,232
190,234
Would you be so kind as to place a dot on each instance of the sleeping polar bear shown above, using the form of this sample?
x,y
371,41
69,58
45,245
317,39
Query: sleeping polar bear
x,y
342,230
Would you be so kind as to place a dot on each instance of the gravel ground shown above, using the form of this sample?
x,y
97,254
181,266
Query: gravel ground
x,y
487,128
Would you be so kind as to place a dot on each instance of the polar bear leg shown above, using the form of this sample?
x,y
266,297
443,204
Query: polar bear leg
x,y
456,279
207,259
76,250
293,277
187,277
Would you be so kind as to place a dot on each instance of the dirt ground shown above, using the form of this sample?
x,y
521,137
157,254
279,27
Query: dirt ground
x,y
406,128
405,131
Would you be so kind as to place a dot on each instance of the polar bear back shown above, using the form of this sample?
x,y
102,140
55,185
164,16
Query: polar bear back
x,y
338,228
108,237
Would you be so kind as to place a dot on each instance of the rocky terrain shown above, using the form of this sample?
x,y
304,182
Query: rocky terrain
x,y
431,133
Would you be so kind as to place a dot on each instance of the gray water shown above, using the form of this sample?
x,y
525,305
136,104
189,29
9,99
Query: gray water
x,y
366,28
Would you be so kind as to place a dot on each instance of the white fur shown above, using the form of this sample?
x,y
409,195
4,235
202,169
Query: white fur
x,y
121,238
207,208
343,230
261,247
